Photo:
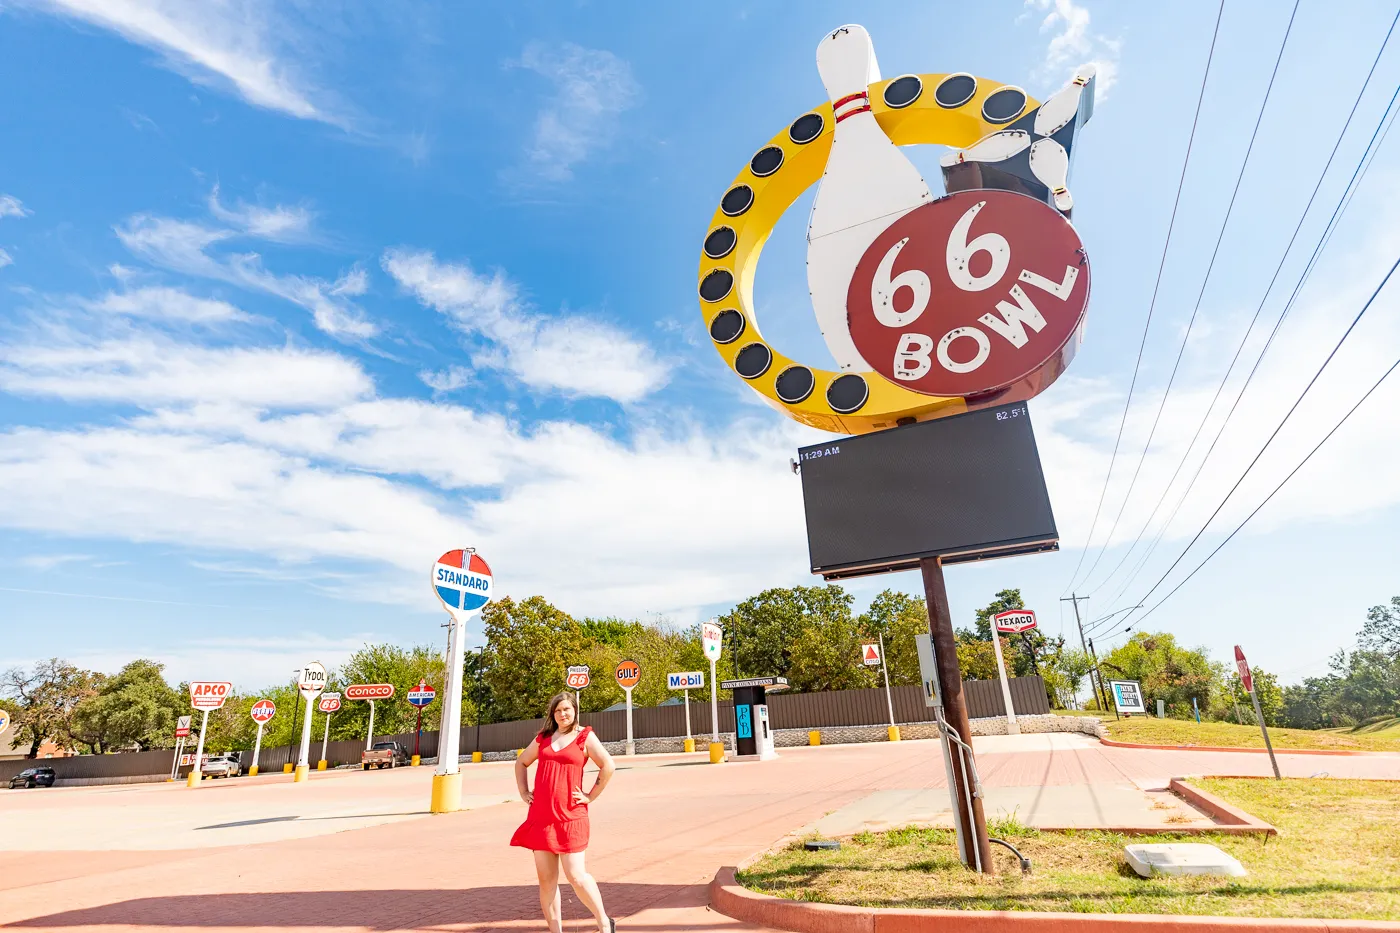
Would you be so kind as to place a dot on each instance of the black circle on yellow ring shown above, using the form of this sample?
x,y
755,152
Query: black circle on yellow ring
x,y
903,91
736,200
720,242
847,394
727,326
717,284
1004,104
753,361
955,90
766,161
806,128
794,384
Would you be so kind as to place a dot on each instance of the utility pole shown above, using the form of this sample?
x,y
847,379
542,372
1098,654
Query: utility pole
x,y
1096,681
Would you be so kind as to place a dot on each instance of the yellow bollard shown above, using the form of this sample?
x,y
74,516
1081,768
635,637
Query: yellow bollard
x,y
814,738
476,758
716,752
413,762
253,771
300,774
518,752
690,745
287,768
194,778
321,765
447,793
894,733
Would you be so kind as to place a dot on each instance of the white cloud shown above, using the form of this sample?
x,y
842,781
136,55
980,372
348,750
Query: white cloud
x,y
10,206
448,380
591,87
188,247
5,259
278,223
237,44
574,354
45,562
1072,43
170,304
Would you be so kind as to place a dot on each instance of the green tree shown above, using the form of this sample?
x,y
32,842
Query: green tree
x,y
133,709
1064,671
404,668
41,701
827,653
1269,692
898,617
528,645
762,631
1166,671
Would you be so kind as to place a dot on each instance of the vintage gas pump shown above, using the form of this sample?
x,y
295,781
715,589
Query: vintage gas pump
x,y
752,727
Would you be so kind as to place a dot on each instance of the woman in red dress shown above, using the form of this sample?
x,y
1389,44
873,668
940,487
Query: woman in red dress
x,y
557,825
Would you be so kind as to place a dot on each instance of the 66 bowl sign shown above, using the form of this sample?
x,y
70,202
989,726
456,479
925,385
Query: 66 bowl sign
x,y
974,293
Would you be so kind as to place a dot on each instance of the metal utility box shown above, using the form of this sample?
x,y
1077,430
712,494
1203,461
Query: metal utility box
x,y
752,728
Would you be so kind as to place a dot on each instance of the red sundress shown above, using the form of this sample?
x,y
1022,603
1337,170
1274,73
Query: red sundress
x,y
555,823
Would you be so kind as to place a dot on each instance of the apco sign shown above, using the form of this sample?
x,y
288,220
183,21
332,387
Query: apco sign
x,y
689,680
462,582
712,640
577,677
369,691
209,694
311,679
1014,620
929,305
263,711
421,695
329,703
629,674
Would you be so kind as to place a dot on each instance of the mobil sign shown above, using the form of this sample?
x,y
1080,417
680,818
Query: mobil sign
x,y
209,694
462,581
688,680
1014,620
369,691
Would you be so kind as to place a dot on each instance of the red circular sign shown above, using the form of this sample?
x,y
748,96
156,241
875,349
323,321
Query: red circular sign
x,y
263,710
970,294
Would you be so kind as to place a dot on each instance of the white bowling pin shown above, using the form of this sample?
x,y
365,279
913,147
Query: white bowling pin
x,y
1050,164
867,185
993,148
1062,107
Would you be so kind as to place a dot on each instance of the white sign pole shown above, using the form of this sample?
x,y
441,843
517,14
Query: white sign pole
x,y
369,739
325,740
688,736
631,745
175,765
196,774
463,584
450,741
1011,727
889,701
304,753
257,750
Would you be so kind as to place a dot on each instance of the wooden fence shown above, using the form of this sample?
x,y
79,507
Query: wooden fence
x,y
786,711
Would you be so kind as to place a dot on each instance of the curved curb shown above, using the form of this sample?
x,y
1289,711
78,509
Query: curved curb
x,y
1252,751
730,898
1233,818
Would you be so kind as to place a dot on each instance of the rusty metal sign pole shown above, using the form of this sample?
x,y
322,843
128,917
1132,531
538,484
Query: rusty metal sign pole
x,y
967,807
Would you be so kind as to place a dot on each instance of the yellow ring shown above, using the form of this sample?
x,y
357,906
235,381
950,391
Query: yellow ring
x,y
923,121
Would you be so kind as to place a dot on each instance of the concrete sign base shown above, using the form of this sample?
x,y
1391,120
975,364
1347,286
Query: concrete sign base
x,y
1182,858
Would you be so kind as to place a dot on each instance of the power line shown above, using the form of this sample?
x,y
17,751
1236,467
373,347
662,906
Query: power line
x,y
1362,166
1347,192
1306,389
1147,325
1200,295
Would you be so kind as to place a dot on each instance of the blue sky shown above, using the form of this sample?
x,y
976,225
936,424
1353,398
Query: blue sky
x,y
294,297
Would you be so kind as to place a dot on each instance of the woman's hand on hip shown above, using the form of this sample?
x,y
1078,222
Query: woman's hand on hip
x,y
580,798
527,796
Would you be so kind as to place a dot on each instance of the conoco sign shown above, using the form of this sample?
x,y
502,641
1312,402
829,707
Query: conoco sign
x,y
971,294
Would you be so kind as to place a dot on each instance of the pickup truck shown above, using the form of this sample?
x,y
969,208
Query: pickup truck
x,y
387,754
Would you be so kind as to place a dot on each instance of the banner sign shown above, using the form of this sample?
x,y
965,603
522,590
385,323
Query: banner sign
x,y
577,677
369,691
182,727
209,694
262,711
329,702
421,695
1127,696
690,680
462,582
1014,620
712,640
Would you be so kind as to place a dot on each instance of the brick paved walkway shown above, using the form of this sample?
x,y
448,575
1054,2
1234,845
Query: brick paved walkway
x,y
659,834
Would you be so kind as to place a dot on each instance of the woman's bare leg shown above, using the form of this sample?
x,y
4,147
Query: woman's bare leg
x,y
547,868
585,887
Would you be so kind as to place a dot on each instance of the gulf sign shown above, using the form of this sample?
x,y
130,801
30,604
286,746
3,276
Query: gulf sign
x,y
462,581
262,711
1014,620
421,695
209,694
629,674
689,680
329,702
369,691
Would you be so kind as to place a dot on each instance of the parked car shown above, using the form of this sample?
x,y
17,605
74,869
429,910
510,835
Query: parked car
x,y
222,766
33,777
386,754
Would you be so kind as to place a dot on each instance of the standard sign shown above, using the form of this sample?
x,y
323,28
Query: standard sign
x,y
421,695
462,581
577,677
329,702
629,674
369,691
870,654
712,639
690,680
182,727
1014,620
209,694
262,711
312,679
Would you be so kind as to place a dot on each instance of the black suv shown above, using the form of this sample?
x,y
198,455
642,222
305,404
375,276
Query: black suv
x,y
33,777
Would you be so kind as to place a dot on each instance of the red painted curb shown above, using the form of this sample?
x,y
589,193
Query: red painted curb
x,y
1252,751
1233,817
730,898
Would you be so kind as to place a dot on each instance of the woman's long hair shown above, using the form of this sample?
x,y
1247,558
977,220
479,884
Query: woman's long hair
x,y
550,726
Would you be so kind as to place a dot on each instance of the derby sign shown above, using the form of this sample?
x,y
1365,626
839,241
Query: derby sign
x,y
209,694
263,711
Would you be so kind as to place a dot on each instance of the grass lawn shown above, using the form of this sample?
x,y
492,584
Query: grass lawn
x,y
1150,730
1335,856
